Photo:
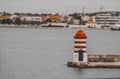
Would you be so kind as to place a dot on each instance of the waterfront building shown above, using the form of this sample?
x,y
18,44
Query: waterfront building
x,y
2,17
92,24
54,17
31,18
107,19
73,20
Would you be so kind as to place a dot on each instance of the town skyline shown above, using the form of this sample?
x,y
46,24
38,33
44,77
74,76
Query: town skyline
x,y
58,6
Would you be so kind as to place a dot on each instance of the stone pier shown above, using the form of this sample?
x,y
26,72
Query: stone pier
x,y
98,61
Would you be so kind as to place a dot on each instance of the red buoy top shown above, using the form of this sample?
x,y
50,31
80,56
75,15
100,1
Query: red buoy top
x,y
80,35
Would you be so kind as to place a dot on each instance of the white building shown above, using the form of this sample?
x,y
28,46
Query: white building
x,y
86,18
31,18
92,24
13,16
106,19
76,21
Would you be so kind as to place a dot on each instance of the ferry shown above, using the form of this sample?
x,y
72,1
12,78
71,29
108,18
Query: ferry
x,y
116,27
106,19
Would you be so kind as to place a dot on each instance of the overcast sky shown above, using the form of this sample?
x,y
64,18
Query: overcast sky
x,y
58,6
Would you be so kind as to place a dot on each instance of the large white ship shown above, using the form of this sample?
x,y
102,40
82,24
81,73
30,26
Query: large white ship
x,y
108,20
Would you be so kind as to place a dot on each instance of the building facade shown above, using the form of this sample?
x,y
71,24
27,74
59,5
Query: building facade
x,y
107,19
31,18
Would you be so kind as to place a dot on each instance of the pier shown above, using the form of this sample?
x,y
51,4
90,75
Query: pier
x,y
81,58
98,61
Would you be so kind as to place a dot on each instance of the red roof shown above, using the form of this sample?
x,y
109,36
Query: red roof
x,y
80,34
2,17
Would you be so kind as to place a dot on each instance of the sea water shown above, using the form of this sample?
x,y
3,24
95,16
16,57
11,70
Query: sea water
x,y
43,53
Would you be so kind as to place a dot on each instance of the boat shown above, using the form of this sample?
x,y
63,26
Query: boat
x,y
115,29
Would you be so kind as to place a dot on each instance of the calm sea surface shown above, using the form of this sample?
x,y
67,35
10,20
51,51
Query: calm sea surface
x,y
30,53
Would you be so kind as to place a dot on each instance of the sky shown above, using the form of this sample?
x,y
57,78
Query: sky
x,y
58,6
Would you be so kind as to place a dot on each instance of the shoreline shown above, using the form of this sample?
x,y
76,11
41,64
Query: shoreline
x,y
39,26
97,61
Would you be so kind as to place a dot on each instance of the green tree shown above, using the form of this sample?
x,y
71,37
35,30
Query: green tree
x,y
6,21
3,21
17,21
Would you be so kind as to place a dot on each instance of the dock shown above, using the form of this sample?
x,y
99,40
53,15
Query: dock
x,y
98,61
82,58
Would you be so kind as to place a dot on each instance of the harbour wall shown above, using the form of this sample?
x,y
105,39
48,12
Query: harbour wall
x,y
98,61
103,58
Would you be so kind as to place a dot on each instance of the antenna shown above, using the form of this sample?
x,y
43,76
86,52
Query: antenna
x,y
82,16
83,8
66,12
101,8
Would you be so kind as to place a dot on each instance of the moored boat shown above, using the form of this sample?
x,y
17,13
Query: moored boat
x,y
115,28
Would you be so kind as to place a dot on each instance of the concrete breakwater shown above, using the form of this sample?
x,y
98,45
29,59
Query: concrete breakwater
x,y
94,64
81,58
98,61
103,58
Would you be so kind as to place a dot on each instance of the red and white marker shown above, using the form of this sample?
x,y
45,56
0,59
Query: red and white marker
x,y
80,44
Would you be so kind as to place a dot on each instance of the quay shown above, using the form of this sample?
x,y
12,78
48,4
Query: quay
x,y
81,58
98,61
94,64
49,26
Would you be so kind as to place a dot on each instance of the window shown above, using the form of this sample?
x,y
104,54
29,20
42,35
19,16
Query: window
x,y
24,18
37,18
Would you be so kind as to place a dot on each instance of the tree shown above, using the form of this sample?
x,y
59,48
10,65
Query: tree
x,y
17,21
6,21
4,13
77,16
3,21
48,20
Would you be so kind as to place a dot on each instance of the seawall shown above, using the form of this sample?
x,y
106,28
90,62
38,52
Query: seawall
x,y
98,61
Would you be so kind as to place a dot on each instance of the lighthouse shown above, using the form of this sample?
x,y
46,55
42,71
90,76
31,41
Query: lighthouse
x,y
82,60
80,53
